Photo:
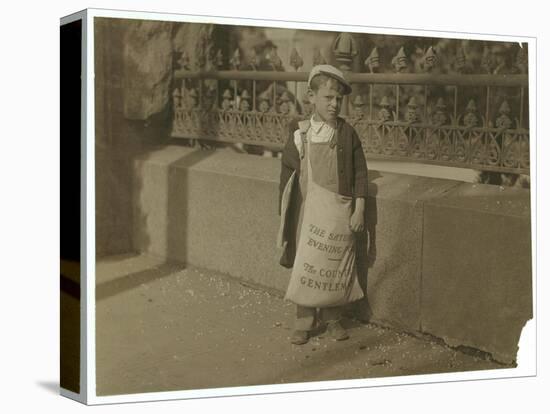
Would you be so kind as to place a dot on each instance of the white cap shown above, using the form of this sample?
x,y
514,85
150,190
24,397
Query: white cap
x,y
331,71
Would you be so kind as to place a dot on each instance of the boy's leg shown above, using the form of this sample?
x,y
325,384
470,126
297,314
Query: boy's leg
x,y
331,314
304,322
305,318
332,317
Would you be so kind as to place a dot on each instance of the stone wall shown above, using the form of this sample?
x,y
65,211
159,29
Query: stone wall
x,y
443,257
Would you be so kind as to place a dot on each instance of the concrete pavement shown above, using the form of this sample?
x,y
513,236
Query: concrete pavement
x,y
164,327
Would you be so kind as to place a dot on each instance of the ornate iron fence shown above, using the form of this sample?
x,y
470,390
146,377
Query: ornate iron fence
x,y
402,116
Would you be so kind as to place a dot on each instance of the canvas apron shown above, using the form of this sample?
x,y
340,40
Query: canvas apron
x,y
324,272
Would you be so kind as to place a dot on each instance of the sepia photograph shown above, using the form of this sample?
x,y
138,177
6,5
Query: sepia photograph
x,y
287,205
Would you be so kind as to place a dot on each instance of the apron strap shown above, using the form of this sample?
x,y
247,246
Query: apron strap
x,y
334,138
303,129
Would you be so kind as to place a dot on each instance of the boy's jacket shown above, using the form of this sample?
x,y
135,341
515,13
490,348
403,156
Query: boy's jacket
x,y
352,178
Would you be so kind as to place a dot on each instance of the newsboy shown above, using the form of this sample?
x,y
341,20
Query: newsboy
x,y
323,188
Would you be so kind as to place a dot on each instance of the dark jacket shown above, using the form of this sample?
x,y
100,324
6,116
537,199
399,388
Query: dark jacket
x,y
352,177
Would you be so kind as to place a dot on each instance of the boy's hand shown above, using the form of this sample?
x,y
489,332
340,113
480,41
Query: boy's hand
x,y
357,220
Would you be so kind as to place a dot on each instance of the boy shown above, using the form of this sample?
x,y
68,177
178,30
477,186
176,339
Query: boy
x,y
323,188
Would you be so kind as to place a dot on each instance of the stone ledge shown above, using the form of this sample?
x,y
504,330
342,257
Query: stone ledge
x,y
476,268
218,210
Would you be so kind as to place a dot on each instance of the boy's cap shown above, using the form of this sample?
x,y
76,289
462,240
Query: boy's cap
x,y
331,71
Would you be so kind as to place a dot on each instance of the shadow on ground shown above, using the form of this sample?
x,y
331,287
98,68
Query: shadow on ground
x,y
165,328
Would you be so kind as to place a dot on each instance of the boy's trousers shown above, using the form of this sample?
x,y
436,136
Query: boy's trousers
x,y
305,316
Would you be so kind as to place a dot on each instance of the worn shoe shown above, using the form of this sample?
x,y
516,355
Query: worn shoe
x,y
336,331
299,337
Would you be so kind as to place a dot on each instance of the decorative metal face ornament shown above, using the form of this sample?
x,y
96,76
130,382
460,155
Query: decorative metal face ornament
x,y
235,60
193,98
471,119
412,111
284,105
399,61
254,59
358,106
499,57
440,114
522,60
264,105
460,60
504,120
384,114
219,58
273,58
284,108
226,100
296,60
487,61
430,59
176,98
244,105
183,60
373,61
318,58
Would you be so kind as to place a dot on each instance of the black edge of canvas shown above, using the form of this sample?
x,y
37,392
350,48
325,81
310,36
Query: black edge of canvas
x,y
72,367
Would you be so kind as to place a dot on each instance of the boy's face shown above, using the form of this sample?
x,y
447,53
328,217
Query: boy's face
x,y
327,100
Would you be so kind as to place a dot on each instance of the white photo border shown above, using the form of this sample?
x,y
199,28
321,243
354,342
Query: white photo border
x,y
527,356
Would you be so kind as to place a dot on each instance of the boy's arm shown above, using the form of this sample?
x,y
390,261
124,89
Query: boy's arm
x,y
357,220
360,184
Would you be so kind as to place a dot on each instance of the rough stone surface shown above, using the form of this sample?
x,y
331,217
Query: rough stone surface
x,y
147,68
394,221
431,246
218,210
195,40
163,327
214,209
476,275
119,140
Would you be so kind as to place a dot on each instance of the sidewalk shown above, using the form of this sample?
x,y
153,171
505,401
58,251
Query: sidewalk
x,y
163,327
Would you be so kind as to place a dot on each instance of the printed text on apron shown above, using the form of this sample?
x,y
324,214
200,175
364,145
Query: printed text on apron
x,y
324,272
